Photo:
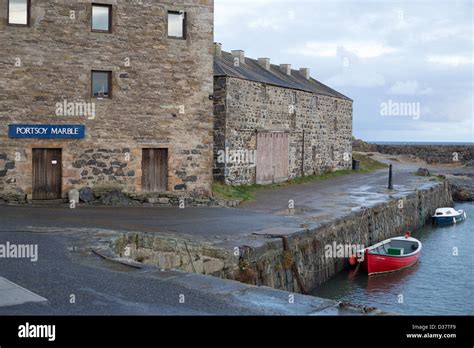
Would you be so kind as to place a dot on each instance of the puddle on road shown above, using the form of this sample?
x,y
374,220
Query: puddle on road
x,y
295,211
87,258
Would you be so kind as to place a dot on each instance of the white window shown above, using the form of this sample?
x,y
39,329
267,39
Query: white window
x,y
177,24
19,12
102,18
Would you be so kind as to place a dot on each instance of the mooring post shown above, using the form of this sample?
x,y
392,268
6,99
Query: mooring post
x,y
390,178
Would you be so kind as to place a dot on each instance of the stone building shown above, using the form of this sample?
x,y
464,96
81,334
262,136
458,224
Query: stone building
x,y
273,123
105,92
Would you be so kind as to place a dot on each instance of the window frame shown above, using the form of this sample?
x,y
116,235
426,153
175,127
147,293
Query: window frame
x,y
109,79
185,27
110,7
294,98
28,14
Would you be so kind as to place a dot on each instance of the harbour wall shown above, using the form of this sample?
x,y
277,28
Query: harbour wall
x,y
365,227
297,261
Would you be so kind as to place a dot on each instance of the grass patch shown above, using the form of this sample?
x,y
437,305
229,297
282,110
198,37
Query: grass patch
x,y
436,177
368,164
235,193
433,177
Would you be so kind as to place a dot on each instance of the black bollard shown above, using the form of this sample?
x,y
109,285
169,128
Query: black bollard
x,y
390,178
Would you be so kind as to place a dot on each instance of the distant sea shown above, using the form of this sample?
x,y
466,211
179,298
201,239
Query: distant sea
x,y
419,143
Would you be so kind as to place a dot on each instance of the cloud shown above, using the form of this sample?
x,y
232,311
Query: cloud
x,y
410,87
369,50
356,78
360,49
265,24
453,60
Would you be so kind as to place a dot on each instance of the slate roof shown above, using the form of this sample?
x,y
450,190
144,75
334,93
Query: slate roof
x,y
251,70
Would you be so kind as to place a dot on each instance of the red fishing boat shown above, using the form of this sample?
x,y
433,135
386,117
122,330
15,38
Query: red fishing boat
x,y
391,255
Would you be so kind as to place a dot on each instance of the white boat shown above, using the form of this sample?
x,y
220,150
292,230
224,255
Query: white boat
x,y
448,216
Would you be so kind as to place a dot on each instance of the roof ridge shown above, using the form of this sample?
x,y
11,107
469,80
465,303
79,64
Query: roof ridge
x,y
252,70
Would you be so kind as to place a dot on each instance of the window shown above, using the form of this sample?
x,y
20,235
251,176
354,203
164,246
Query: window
x,y
177,24
19,12
101,18
293,98
101,84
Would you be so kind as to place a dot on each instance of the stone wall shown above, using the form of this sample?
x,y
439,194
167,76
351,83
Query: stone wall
x,y
244,107
432,154
264,261
174,252
271,264
159,100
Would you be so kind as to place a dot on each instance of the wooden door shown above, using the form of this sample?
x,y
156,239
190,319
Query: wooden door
x,y
155,170
47,174
281,159
272,157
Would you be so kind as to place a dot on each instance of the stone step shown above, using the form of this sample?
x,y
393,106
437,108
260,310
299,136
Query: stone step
x,y
49,202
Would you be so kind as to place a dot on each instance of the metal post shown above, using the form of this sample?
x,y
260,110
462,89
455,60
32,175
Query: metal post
x,y
302,157
390,178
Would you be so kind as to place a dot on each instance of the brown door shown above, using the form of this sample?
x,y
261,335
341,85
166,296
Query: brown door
x,y
47,174
155,170
272,157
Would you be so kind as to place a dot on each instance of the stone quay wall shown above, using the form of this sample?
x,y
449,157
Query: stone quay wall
x,y
243,107
264,260
160,93
270,265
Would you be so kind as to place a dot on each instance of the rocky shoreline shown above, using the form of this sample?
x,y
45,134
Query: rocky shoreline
x,y
431,154
460,177
462,187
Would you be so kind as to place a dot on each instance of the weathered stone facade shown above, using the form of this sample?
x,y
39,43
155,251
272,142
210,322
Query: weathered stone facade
x,y
160,93
319,126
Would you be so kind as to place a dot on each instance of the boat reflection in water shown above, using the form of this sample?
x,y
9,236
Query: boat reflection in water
x,y
381,282
388,281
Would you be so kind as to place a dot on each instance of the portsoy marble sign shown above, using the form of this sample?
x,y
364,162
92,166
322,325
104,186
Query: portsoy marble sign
x,y
46,131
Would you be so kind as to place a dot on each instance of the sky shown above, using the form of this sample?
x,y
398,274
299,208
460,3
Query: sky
x,y
408,65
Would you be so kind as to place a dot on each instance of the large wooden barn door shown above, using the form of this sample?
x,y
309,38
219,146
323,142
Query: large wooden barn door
x,y
155,170
47,174
272,157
